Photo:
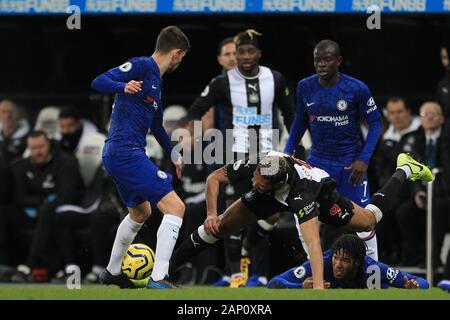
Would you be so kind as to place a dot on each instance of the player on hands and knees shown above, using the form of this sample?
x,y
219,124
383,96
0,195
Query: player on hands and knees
x,y
283,183
138,108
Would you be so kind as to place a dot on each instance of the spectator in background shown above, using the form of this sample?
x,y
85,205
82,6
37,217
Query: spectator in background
x,y
73,129
13,131
443,87
425,143
226,57
401,122
13,134
45,180
446,174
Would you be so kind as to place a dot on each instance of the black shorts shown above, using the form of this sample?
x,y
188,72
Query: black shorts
x,y
336,211
262,205
235,190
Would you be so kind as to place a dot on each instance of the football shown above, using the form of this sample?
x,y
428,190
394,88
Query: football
x,y
138,261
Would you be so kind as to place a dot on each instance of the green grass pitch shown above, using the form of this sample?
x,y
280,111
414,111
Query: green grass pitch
x,y
89,292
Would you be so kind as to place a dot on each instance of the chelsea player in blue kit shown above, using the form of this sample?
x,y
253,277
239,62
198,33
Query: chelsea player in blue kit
x,y
138,108
346,265
332,104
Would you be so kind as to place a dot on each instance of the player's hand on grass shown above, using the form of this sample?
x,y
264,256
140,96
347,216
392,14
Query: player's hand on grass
x,y
309,283
211,224
411,283
359,169
133,87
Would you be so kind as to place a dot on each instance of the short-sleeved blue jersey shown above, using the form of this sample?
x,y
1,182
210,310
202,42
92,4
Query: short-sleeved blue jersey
x,y
333,115
389,277
134,114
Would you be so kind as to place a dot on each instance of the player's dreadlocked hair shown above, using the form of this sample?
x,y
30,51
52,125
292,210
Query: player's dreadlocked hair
x,y
353,245
249,36
274,169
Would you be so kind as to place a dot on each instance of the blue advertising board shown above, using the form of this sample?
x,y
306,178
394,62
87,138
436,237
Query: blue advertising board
x,y
220,6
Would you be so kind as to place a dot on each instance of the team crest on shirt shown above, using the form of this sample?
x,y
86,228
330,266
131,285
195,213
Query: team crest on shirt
x,y
162,174
126,67
300,272
342,105
249,195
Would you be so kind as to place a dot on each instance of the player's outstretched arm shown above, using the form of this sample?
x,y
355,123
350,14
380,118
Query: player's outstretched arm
x,y
391,277
299,124
121,79
213,182
369,112
310,232
284,100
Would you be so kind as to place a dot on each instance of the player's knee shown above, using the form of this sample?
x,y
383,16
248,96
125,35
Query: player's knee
x,y
140,216
369,222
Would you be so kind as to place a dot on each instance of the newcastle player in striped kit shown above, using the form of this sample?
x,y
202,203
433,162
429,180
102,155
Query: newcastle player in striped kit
x,y
247,99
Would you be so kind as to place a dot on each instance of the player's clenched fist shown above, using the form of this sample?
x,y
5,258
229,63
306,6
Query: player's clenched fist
x,y
133,87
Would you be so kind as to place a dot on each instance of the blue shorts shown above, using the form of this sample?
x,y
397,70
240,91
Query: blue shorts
x,y
359,194
136,177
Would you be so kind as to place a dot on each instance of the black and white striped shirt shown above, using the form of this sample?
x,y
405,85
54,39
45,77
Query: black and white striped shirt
x,y
247,103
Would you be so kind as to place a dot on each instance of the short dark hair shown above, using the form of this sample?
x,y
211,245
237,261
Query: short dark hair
x,y
395,99
351,244
69,112
325,44
172,38
274,168
37,134
223,43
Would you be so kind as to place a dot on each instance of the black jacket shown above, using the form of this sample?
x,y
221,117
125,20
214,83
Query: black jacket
x,y
445,147
60,176
443,94
415,143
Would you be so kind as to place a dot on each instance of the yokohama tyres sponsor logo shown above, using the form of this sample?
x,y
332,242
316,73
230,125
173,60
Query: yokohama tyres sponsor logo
x,y
338,120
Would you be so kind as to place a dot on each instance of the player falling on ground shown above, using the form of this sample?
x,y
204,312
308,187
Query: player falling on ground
x,y
332,104
138,108
346,265
282,183
247,99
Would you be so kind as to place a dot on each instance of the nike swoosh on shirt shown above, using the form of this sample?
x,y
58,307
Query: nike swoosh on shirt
x,y
310,104
153,87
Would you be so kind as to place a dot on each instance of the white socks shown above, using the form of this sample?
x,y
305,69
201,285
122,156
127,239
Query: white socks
x,y
406,169
165,242
126,233
206,237
370,239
